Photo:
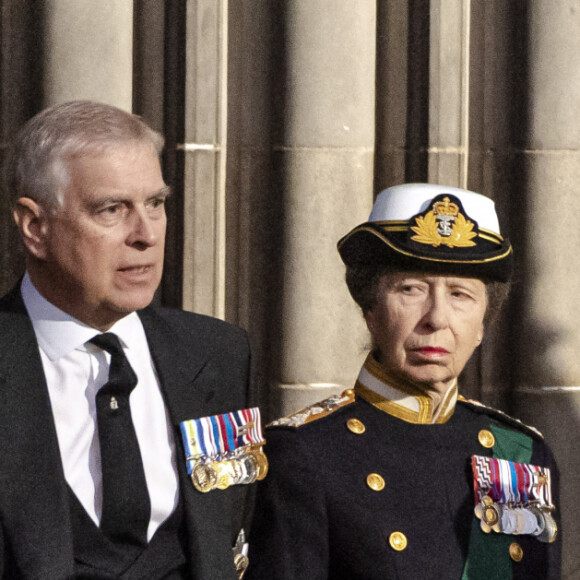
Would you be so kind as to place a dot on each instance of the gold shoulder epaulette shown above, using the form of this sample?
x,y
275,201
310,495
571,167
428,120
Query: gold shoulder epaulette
x,y
501,416
316,411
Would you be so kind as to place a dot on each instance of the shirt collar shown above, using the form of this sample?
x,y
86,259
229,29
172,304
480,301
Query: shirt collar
x,y
403,401
58,333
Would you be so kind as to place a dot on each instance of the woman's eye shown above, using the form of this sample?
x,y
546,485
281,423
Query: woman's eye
x,y
410,289
460,294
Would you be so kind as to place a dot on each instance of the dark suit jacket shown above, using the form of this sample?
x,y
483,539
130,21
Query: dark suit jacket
x,y
203,367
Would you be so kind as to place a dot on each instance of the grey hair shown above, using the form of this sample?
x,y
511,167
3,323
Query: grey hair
x,y
37,162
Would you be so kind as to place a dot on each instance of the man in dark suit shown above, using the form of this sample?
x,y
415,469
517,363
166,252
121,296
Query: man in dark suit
x,y
94,480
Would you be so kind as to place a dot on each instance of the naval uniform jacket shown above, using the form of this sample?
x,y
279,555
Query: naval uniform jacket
x,y
320,516
203,369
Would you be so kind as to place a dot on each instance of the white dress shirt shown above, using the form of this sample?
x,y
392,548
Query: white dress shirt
x,y
74,372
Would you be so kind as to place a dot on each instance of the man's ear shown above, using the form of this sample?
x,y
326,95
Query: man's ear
x,y
32,224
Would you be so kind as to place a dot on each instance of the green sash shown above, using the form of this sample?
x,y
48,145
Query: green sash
x,y
488,554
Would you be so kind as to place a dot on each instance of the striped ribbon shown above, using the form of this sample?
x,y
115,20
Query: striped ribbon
x,y
510,483
221,436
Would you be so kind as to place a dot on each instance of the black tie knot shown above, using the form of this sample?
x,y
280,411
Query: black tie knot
x,y
108,341
122,378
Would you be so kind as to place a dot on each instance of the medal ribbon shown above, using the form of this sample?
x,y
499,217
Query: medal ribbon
x,y
220,436
510,483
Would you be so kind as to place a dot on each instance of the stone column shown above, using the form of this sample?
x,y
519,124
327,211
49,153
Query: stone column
x,y
205,130
324,163
548,395
449,92
88,51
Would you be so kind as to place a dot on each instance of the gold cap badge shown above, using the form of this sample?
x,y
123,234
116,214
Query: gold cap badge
x,y
444,224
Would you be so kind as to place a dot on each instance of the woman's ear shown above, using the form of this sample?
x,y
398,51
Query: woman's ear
x,y
370,320
30,218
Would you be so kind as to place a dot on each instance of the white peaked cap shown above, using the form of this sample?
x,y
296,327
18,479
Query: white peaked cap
x,y
402,202
431,228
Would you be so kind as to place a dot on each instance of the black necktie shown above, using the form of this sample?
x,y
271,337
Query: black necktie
x,y
126,505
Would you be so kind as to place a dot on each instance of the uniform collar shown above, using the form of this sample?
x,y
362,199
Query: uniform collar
x,y
406,402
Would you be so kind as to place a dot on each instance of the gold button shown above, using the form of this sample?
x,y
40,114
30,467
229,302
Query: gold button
x,y
375,482
516,552
398,541
486,438
355,426
348,393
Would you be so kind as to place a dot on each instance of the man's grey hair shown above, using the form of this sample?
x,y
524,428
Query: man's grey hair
x,y
37,162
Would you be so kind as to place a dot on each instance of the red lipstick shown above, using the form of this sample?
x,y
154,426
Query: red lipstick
x,y
432,350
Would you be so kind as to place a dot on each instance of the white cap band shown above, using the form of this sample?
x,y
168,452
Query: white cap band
x,y
402,202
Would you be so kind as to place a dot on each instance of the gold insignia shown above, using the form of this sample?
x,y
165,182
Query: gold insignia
x,y
316,411
501,415
444,224
241,562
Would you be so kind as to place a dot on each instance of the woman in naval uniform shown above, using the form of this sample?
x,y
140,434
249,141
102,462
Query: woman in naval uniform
x,y
401,477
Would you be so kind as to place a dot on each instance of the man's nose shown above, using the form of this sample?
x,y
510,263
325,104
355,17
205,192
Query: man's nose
x,y
144,231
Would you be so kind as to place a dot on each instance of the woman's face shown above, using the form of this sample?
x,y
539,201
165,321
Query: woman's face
x,y
426,327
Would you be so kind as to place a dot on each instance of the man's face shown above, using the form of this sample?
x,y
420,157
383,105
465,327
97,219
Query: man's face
x,y
427,326
102,252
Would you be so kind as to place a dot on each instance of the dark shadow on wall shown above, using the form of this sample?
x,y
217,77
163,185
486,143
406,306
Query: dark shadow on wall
x,y
173,158
21,51
418,49
277,211
402,93
256,188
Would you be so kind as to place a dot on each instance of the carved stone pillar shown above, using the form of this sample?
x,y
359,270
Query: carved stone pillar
x,y
88,51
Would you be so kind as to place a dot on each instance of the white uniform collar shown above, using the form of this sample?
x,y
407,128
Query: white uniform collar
x,y
405,402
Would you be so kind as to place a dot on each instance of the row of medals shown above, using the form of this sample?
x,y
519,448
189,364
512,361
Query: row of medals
x,y
516,520
246,466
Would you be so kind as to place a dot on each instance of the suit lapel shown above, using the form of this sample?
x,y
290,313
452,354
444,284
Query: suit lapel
x,y
35,510
180,369
178,366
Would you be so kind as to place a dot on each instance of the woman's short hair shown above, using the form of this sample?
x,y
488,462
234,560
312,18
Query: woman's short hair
x,y
37,164
363,284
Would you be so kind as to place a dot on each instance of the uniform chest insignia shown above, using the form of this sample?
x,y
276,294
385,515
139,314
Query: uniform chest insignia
x,y
445,225
224,450
316,411
513,498
502,416
241,560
